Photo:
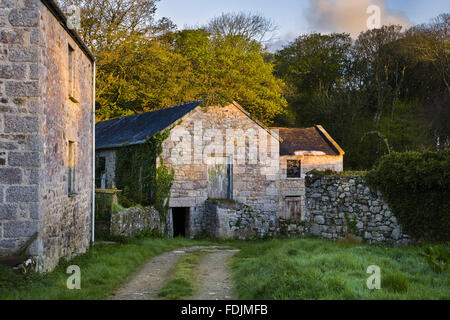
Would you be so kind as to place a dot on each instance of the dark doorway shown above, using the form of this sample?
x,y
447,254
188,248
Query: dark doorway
x,y
180,218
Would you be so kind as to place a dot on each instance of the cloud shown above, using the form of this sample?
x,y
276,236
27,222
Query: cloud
x,y
348,16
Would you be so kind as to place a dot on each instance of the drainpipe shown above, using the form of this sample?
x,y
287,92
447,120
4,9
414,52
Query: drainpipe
x,y
93,154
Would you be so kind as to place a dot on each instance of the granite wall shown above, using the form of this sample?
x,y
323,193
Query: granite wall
x,y
234,220
37,121
208,132
338,205
131,222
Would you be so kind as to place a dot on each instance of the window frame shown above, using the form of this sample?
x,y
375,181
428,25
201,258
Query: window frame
x,y
71,72
71,168
299,169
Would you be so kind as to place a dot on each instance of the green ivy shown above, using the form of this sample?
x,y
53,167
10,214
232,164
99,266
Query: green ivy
x,y
417,188
139,178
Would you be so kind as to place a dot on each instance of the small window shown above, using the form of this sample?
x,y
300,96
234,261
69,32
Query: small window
x,y
294,169
71,75
100,172
71,169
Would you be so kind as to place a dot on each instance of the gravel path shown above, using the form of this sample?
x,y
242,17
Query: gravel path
x,y
213,277
213,280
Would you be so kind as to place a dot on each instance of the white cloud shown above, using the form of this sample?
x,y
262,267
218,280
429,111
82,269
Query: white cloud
x,y
348,15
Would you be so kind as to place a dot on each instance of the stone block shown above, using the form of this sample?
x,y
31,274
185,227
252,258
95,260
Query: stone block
x,y
12,36
8,211
22,88
10,176
17,229
18,124
24,18
24,159
16,194
24,54
15,71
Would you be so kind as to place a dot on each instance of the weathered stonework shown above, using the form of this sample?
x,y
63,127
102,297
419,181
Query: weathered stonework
x,y
131,222
253,184
234,220
334,203
37,121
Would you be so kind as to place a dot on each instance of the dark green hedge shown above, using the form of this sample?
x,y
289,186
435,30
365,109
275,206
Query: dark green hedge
x,y
417,188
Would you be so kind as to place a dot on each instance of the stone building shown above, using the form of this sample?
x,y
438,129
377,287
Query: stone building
x,y
303,150
46,133
230,170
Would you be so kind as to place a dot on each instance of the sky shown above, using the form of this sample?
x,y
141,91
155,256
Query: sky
x,y
294,17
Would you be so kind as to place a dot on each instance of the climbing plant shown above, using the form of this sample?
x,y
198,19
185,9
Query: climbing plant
x,y
142,182
417,188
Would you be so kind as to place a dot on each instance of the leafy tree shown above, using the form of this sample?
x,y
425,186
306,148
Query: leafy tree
x,y
247,25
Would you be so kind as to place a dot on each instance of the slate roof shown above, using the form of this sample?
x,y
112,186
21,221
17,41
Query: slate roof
x,y
136,129
305,139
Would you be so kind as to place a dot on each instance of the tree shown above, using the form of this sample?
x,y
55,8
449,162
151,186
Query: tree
x,y
234,67
248,25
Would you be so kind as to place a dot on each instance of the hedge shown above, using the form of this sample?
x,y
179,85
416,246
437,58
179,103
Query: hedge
x,y
417,188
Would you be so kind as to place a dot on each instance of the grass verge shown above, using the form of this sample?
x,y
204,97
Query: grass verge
x,y
181,284
103,268
319,269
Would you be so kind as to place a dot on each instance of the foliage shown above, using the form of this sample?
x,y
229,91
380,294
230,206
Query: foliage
x,y
142,182
387,91
312,269
248,25
164,180
351,224
438,257
417,188
135,174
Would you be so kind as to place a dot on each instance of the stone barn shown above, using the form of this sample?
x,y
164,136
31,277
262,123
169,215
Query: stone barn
x,y
46,134
231,176
303,150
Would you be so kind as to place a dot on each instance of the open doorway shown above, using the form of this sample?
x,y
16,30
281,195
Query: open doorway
x,y
180,218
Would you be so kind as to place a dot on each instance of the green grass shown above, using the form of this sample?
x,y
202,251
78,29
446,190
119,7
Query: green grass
x,y
181,284
320,269
103,268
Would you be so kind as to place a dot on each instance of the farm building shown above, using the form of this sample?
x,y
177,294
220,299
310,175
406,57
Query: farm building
x,y
233,176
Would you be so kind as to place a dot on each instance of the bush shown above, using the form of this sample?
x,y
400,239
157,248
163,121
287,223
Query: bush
x,y
417,188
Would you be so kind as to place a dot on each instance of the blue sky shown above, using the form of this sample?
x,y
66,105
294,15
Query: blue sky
x,y
289,15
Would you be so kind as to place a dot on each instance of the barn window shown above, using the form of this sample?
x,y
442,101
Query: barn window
x,y
71,169
294,169
71,77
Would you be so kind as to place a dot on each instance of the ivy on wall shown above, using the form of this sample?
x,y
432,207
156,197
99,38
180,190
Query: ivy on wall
x,y
417,188
142,182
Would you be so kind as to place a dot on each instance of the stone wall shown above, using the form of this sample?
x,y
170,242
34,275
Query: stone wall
x,y
292,190
20,124
337,205
131,222
234,220
37,121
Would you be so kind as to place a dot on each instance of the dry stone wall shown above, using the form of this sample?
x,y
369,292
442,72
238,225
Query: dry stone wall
x,y
234,220
131,222
337,205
